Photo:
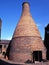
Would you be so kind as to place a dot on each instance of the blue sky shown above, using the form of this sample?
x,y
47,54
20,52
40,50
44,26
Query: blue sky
x,y
10,12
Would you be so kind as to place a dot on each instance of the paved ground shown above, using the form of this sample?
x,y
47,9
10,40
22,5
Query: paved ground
x,y
2,62
7,63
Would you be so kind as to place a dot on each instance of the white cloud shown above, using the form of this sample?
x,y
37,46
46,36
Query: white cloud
x,y
6,38
38,24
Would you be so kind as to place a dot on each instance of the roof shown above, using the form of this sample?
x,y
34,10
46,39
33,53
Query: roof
x,y
47,27
5,41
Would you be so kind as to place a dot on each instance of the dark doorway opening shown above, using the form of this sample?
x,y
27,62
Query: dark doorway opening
x,y
37,56
47,54
0,48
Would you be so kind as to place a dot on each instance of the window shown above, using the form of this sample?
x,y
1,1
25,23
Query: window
x,y
48,32
3,53
4,46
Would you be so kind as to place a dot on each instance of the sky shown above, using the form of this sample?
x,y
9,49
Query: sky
x,y
10,12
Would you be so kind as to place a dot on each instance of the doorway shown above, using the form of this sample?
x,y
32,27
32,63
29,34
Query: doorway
x,y
37,55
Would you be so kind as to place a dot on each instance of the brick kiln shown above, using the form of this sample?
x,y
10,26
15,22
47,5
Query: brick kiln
x,y
26,44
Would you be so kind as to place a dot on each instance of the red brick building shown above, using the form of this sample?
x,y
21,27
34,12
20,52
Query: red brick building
x,y
26,43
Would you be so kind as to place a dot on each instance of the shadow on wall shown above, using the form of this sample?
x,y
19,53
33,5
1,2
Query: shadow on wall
x,y
8,50
46,40
6,63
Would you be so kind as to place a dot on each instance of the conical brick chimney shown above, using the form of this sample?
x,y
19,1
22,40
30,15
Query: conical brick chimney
x,y
26,38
